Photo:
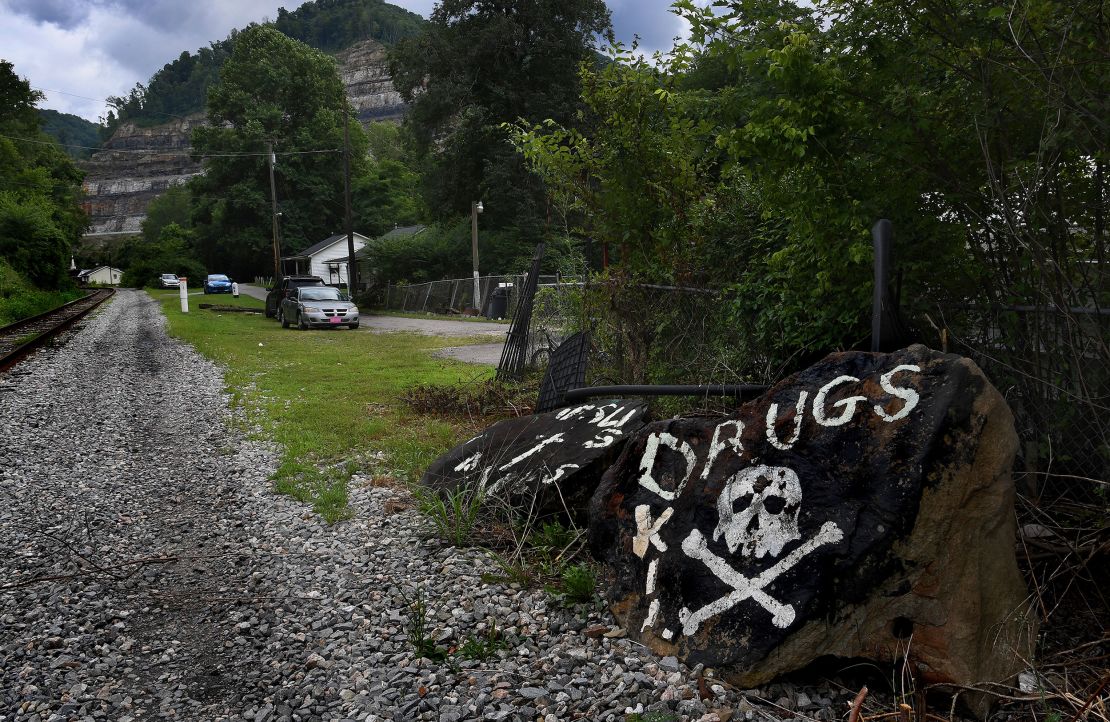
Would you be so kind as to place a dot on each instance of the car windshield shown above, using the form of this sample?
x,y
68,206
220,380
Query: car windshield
x,y
168,275
217,277
320,294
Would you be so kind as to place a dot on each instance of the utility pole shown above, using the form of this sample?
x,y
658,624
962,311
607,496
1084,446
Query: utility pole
x,y
475,209
274,213
352,271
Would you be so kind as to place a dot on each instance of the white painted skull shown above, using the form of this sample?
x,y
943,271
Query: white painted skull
x,y
769,500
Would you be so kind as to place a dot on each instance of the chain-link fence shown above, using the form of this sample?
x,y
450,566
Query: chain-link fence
x,y
456,294
1053,367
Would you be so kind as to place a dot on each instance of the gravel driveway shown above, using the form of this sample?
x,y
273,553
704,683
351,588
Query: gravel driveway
x,y
148,571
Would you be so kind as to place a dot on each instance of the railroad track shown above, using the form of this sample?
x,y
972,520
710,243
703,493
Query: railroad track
x,y
22,337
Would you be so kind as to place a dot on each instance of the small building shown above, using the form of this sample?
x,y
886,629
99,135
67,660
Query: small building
x,y
101,275
326,259
366,273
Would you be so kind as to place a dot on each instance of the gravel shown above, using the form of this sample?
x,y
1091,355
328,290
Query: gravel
x,y
147,570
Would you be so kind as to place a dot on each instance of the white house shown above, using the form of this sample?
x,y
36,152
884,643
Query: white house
x,y
103,275
326,259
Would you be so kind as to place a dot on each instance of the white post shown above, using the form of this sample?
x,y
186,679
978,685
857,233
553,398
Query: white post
x,y
184,289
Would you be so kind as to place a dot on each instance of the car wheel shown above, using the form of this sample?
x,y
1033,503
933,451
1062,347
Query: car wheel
x,y
353,325
281,317
301,323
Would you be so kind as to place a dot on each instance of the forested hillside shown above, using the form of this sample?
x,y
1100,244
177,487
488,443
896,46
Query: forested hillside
x,y
75,134
181,86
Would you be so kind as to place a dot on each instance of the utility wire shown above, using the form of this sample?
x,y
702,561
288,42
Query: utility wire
x,y
102,100
157,151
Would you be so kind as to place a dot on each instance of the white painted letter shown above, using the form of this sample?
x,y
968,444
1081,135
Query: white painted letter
x,y
647,463
648,531
773,415
716,446
849,403
908,395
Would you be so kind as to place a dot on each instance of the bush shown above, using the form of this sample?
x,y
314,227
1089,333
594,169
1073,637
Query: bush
x,y
19,299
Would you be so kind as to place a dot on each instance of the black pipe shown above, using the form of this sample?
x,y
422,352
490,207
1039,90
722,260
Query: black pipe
x,y
881,240
737,390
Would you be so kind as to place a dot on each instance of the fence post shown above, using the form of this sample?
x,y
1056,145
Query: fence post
x,y
881,234
427,295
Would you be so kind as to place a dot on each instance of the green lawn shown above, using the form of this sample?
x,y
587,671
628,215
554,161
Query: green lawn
x,y
329,398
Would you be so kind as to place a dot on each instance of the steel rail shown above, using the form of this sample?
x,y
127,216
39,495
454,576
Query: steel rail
x,y
66,315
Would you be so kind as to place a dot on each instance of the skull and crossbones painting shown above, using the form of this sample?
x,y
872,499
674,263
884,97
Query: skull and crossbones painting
x,y
758,509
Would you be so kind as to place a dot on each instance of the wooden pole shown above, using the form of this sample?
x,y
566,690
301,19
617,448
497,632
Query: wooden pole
x,y
352,271
274,213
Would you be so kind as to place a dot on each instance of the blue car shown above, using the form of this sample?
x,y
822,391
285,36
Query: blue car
x,y
217,283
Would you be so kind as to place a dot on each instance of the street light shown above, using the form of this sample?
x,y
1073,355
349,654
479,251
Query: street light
x,y
475,209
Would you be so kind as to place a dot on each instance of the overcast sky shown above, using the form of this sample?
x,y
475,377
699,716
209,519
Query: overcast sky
x,y
97,48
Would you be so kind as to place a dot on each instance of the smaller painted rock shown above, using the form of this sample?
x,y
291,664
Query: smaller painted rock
x,y
860,508
553,461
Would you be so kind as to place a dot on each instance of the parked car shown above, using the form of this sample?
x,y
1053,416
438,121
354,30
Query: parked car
x,y
217,283
317,307
284,287
169,280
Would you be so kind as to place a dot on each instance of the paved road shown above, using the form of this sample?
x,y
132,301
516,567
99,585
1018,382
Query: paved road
x,y
487,353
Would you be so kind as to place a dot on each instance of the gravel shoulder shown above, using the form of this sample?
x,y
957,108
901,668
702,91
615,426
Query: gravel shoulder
x,y
148,571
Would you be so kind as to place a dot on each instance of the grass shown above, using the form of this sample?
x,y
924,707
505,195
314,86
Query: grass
x,y
330,399
439,316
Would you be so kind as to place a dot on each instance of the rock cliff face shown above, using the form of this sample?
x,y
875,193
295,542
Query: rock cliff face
x,y
139,164
364,71
136,166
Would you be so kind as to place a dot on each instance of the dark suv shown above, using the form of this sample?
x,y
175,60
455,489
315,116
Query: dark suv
x,y
283,287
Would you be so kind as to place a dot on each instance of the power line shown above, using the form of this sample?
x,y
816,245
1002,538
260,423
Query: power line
x,y
105,102
158,151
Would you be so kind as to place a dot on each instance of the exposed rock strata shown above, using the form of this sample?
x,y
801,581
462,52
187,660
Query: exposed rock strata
x,y
136,166
139,164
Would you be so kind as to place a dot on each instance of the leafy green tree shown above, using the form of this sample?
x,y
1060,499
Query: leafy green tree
x,y
272,89
480,63
144,261
40,188
173,206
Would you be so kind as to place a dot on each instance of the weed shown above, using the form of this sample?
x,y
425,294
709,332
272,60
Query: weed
x,y
512,572
579,583
454,514
483,647
474,400
416,611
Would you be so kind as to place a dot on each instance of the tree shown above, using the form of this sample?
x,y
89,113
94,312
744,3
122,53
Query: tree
x,y
480,63
272,89
173,206
40,215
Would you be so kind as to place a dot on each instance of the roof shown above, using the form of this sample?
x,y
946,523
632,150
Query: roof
x,y
90,271
327,243
403,232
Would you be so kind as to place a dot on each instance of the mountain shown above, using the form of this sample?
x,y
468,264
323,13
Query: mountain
x,y
150,128
71,131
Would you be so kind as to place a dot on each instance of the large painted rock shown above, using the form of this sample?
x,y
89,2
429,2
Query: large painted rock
x,y
550,463
861,508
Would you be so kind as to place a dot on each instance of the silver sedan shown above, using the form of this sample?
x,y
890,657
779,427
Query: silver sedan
x,y
317,307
